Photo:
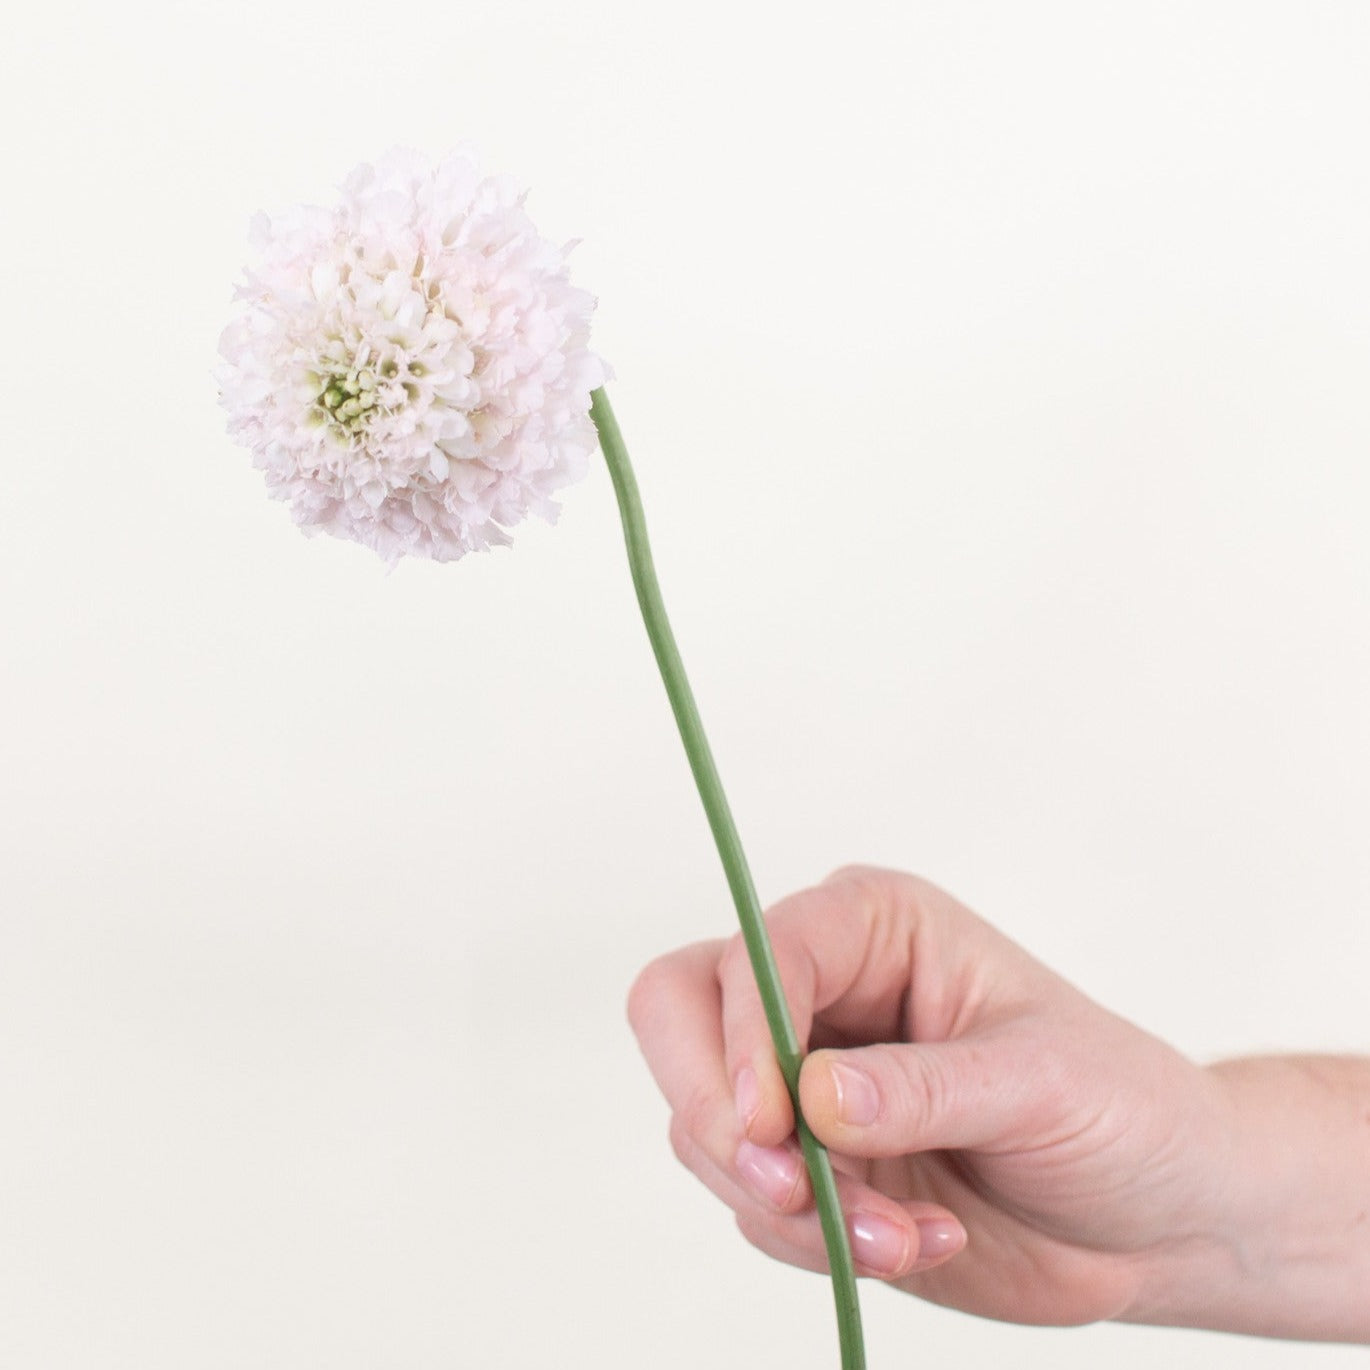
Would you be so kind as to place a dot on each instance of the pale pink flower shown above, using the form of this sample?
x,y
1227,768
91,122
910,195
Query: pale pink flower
x,y
411,369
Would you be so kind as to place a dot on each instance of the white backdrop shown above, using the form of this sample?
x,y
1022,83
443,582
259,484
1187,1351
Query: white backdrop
x,y
996,376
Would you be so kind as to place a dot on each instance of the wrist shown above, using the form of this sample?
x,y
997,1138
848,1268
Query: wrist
x,y
1182,1281
1279,1243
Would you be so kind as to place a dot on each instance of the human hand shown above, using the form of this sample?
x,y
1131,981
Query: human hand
x,y
961,1087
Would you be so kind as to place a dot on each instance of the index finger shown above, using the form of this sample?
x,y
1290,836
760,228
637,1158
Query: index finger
x,y
844,951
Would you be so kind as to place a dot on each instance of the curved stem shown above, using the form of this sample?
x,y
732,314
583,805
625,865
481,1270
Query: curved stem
x,y
787,1046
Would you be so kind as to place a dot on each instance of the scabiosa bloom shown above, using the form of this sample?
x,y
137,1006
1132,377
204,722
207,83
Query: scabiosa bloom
x,y
411,369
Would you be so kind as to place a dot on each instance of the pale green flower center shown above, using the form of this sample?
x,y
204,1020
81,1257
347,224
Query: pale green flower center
x,y
347,398
348,394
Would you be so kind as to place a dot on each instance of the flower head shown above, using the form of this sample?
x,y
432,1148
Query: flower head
x,y
411,368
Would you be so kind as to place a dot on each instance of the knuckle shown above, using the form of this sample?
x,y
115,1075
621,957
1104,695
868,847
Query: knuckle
x,y
763,1231
922,1093
696,1115
691,1130
756,1230
647,992
734,961
682,1144
1055,1079
852,873
876,884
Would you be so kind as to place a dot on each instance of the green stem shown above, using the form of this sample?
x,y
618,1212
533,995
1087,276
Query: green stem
x,y
787,1047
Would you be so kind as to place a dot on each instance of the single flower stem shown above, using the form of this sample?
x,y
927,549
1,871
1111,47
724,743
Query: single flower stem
x,y
787,1047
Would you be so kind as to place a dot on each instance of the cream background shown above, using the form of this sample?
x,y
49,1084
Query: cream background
x,y
997,380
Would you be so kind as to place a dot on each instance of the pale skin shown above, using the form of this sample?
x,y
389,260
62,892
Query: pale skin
x,y
1004,1145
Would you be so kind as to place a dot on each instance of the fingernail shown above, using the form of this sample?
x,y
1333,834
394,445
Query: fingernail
x,y
747,1092
771,1172
857,1100
878,1244
939,1238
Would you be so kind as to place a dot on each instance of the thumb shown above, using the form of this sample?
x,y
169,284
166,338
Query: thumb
x,y
896,1099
